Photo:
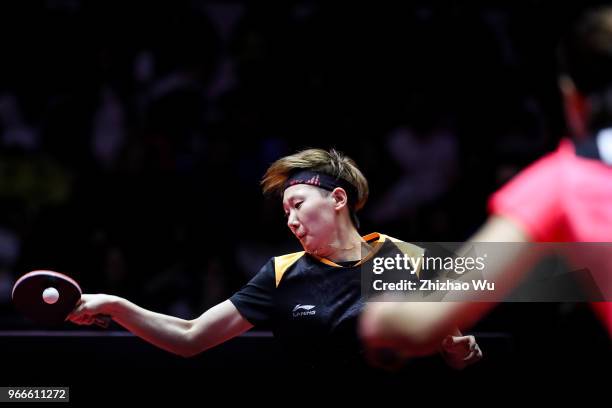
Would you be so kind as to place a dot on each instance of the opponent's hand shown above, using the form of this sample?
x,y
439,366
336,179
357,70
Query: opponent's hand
x,y
403,326
460,351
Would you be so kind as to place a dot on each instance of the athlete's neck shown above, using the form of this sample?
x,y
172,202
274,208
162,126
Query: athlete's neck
x,y
346,244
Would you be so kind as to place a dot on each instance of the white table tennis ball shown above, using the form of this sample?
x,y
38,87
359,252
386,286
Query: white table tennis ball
x,y
50,295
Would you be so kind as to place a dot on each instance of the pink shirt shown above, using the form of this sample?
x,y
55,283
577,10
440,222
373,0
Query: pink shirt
x,y
562,197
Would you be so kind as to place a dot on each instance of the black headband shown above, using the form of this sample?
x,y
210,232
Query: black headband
x,y
326,182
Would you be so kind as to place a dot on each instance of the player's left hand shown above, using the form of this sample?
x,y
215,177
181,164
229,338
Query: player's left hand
x,y
460,351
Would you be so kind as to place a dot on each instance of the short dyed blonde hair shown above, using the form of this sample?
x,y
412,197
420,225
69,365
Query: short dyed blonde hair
x,y
330,162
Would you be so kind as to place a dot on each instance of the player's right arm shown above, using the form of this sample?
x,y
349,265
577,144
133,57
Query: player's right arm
x,y
179,336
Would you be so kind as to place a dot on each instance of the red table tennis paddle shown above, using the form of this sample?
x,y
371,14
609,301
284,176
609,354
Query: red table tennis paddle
x,y
61,294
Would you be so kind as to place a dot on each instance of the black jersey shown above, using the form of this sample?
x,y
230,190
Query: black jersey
x,y
312,304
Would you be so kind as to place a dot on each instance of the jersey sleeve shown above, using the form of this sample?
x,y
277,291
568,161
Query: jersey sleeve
x,y
533,198
255,301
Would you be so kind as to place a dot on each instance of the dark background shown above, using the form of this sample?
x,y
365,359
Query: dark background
x,y
133,136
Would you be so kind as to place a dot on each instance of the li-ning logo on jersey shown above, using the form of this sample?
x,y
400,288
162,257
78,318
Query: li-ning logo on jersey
x,y
304,310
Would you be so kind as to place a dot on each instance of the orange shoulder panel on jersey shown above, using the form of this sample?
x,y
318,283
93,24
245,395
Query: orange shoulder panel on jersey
x,y
413,251
282,263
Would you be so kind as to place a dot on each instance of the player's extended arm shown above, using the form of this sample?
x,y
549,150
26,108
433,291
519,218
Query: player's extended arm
x,y
183,337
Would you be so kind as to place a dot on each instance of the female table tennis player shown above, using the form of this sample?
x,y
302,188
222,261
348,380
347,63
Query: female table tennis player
x,y
310,299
